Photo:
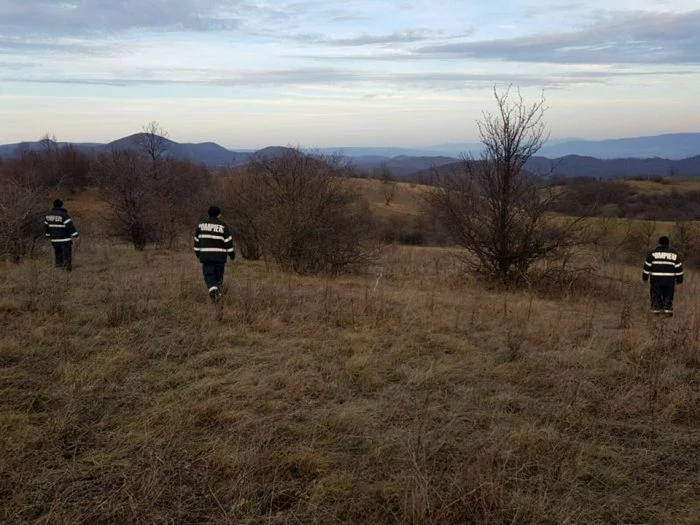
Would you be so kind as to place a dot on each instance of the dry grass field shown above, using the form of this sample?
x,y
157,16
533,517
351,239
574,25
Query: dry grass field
x,y
408,395
406,199
679,184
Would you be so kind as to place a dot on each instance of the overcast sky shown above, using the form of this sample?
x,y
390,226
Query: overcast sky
x,y
320,73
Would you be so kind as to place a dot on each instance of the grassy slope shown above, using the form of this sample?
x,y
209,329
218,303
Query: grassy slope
x,y
679,184
407,395
405,201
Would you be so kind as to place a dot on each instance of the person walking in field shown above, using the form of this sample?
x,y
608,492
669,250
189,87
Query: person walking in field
x,y
663,269
60,228
213,244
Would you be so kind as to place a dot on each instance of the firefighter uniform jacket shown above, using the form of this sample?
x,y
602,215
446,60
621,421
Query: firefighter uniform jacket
x,y
663,264
213,241
59,226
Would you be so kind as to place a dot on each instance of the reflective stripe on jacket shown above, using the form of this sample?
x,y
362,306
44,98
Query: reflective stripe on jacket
x,y
663,263
213,241
59,226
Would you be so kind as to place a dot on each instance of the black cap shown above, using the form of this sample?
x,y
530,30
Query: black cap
x,y
663,241
57,203
214,211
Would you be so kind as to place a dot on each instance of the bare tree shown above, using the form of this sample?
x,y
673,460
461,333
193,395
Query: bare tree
x,y
304,214
388,189
152,210
388,192
48,143
153,142
494,208
129,195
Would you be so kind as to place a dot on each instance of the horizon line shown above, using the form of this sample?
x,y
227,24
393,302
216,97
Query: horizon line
x,y
393,146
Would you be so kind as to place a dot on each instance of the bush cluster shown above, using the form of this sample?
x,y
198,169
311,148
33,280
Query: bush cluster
x,y
298,210
614,198
146,205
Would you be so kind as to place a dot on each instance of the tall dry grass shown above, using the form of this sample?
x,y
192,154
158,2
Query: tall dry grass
x,y
410,394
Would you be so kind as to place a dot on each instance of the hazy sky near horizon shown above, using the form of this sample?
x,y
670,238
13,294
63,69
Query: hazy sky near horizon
x,y
330,73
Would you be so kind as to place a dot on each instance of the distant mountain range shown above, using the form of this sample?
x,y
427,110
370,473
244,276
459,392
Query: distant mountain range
x,y
674,146
578,166
662,155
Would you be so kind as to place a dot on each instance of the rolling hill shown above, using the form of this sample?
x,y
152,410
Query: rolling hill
x,y
208,153
401,166
674,146
672,154
578,166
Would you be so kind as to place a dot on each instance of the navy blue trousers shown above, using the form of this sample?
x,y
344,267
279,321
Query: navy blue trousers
x,y
662,292
63,254
213,274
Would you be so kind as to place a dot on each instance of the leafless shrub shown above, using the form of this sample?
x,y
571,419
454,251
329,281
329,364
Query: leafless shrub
x,y
388,192
20,218
247,206
129,195
498,212
686,239
618,198
148,209
304,214
62,168
388,187
604,238
184,190
639,237
75,169
626,314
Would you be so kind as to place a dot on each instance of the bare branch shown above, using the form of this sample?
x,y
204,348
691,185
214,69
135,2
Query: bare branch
x,y
497,211
154,143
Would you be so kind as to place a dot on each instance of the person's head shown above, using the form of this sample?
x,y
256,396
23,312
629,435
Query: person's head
x,y
664,241
214,211
58,203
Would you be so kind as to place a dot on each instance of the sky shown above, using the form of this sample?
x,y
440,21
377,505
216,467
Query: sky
x,y
326,73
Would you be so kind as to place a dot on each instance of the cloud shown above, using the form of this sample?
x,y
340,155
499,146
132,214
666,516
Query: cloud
x,y
330,76
64,81
23,46
613,38
16,65
548,9
397,37
104,16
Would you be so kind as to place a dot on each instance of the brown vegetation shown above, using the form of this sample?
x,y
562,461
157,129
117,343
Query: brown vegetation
x,y
20,219
405,395
300,211
658,199
151,201
28,183
499,213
